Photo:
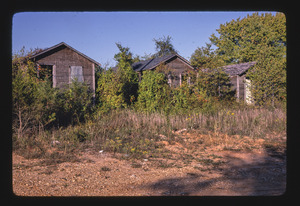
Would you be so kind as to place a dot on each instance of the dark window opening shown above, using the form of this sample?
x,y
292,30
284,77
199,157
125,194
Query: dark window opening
x,y
45,72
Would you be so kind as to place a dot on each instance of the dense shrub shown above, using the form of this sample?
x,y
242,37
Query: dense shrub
x,y
154,92
216,83
37,105
118,88
187,98
109,91
73,104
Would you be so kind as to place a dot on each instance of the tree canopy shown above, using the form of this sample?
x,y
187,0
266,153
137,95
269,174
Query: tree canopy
x,y
257,37
245,40
206,57
163,46
118,89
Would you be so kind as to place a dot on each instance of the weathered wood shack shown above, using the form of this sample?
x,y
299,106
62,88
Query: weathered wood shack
x,y
176,67
240,83
65,64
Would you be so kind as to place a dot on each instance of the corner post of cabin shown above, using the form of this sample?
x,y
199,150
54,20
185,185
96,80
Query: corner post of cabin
x,y
237,87
169,79
37,70
140,76
180,79
244,82
54,75
93,83
93,79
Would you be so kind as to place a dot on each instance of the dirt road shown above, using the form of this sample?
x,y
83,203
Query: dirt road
x,y
258,172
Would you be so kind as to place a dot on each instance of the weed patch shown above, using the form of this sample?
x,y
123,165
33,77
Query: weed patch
x,y
156,135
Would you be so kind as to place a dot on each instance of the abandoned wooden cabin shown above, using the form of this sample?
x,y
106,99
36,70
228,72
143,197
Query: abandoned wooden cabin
x,y
63,64
176,67
240,83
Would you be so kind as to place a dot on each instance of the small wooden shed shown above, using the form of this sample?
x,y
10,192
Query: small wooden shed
x,y
65,64
176,65
241,84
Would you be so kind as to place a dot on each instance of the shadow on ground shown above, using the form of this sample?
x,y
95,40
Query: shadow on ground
x,y
266,176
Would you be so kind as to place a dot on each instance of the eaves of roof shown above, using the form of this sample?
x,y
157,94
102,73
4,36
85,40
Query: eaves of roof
x,y
238,69
68,46
152,63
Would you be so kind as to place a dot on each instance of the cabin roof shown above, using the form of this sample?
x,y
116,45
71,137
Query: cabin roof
x,y
62,44
238,69
152,63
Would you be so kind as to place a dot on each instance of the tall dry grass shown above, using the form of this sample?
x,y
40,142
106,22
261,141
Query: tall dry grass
x,y
247,121
136,134
140,130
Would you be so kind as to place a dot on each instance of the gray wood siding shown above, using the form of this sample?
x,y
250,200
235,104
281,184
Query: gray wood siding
x,y
65,58
177,67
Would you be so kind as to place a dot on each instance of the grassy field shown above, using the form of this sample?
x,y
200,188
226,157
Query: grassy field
x,y
141,135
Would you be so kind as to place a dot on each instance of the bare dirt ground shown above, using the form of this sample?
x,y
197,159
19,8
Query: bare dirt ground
x,y
188,171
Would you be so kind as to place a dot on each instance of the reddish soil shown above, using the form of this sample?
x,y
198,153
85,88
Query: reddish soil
x,y
257,172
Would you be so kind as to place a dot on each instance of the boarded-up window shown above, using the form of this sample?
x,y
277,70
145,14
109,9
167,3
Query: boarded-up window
x,y
76,73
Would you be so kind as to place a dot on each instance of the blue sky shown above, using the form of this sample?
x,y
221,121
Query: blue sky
x,y
95,33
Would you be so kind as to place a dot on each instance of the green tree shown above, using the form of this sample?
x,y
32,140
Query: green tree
x,y
109,91
206,57
126,75
153,93
73,104
260,38
46,97
118,89
163,46
215,82
24,87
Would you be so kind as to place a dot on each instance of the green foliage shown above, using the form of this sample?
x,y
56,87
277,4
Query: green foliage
x,y
46,103
216,83
187,98
164,46
156,95
268,80
124,56
74,103
37,105
153,93
206,57
118,89
260,38
241,40
109,91
24,96
128,79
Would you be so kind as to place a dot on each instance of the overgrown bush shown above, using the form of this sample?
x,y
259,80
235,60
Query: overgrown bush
x,y
73,104
118,89
216,83
109,91
190,98
154,93
38,107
